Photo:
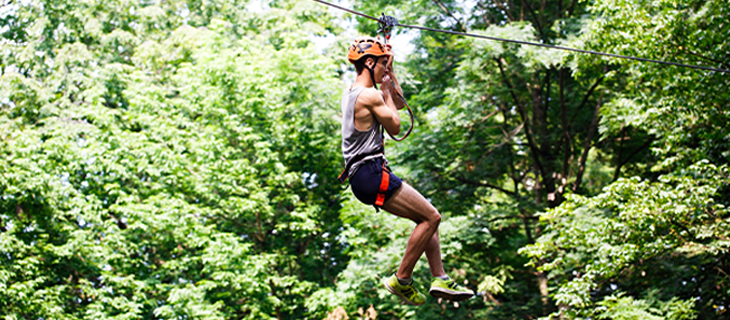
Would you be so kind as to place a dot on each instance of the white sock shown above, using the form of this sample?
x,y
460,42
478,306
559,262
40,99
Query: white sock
x,y
444,277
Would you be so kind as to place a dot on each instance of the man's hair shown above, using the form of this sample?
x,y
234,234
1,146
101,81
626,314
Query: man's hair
x,y
360,64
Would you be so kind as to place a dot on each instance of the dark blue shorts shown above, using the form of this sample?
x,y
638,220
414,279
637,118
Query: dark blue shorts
x,y
366,182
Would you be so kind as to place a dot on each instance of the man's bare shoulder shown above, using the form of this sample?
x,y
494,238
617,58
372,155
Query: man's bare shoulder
x,y
370,98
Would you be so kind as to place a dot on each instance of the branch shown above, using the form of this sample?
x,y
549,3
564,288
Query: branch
x,y
510,151
485,118
513,6
511,90
488,185
684,228
722,63
491,298
685,48
507,136
430,195
564,120
523,116
560,9
273,292
472,127
586,146
513,172
534,16
485,16
620,151
528,232
260,235
585,98
522,217
622,163
543,115
572,7
461,26
499,4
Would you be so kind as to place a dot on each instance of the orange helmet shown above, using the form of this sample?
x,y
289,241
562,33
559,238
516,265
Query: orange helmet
x,y
365,46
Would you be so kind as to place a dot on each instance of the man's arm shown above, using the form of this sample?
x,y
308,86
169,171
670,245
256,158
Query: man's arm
x,y
383,108
390,83
389,86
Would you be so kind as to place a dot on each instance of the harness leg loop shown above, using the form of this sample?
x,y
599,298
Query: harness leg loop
x,y
380,199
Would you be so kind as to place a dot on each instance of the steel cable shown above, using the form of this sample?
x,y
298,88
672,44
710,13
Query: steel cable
x,y
530,43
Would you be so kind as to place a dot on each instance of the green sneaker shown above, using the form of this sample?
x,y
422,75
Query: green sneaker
x,y
449,290
408,293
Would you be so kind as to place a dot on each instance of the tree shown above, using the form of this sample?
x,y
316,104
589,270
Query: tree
x,y
154,166
654,242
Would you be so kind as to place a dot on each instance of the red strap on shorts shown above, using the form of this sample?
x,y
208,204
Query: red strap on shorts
x,y
383,187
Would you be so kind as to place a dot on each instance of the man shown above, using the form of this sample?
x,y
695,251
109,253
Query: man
x,y
365,111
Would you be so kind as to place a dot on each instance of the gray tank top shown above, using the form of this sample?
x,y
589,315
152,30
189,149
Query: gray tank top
x,y
354,141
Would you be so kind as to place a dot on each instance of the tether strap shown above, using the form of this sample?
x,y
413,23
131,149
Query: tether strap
x,y
410,113
383,187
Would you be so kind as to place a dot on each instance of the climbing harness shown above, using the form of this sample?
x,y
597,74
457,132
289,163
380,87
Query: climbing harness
x,y
360,157
528,43
384,182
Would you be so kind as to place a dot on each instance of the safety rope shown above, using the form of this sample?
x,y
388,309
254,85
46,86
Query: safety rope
x,y
529,43
386,26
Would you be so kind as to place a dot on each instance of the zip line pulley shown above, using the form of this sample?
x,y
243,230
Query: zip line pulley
x,y
386,23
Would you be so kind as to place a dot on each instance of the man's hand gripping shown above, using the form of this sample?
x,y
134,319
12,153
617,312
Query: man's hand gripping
x,y
390,86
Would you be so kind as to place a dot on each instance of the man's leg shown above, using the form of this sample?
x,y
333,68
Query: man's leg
x,y
433,248
433,254
408,203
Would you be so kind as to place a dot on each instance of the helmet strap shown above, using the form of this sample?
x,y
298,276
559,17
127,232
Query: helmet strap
x,y
372,72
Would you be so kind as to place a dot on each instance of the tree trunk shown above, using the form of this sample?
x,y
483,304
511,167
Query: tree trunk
x,y
542,282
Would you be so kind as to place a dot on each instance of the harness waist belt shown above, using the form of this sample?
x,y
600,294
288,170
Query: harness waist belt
x,y
343,176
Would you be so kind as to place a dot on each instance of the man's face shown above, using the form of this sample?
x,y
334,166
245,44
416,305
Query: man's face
x,y
381,68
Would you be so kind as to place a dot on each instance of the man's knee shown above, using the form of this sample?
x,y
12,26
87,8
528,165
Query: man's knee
x,y
434,217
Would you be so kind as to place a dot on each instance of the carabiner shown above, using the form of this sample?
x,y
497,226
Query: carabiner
x,y
386,24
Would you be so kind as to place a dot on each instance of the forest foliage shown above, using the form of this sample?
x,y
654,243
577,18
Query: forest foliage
x,y
178,159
